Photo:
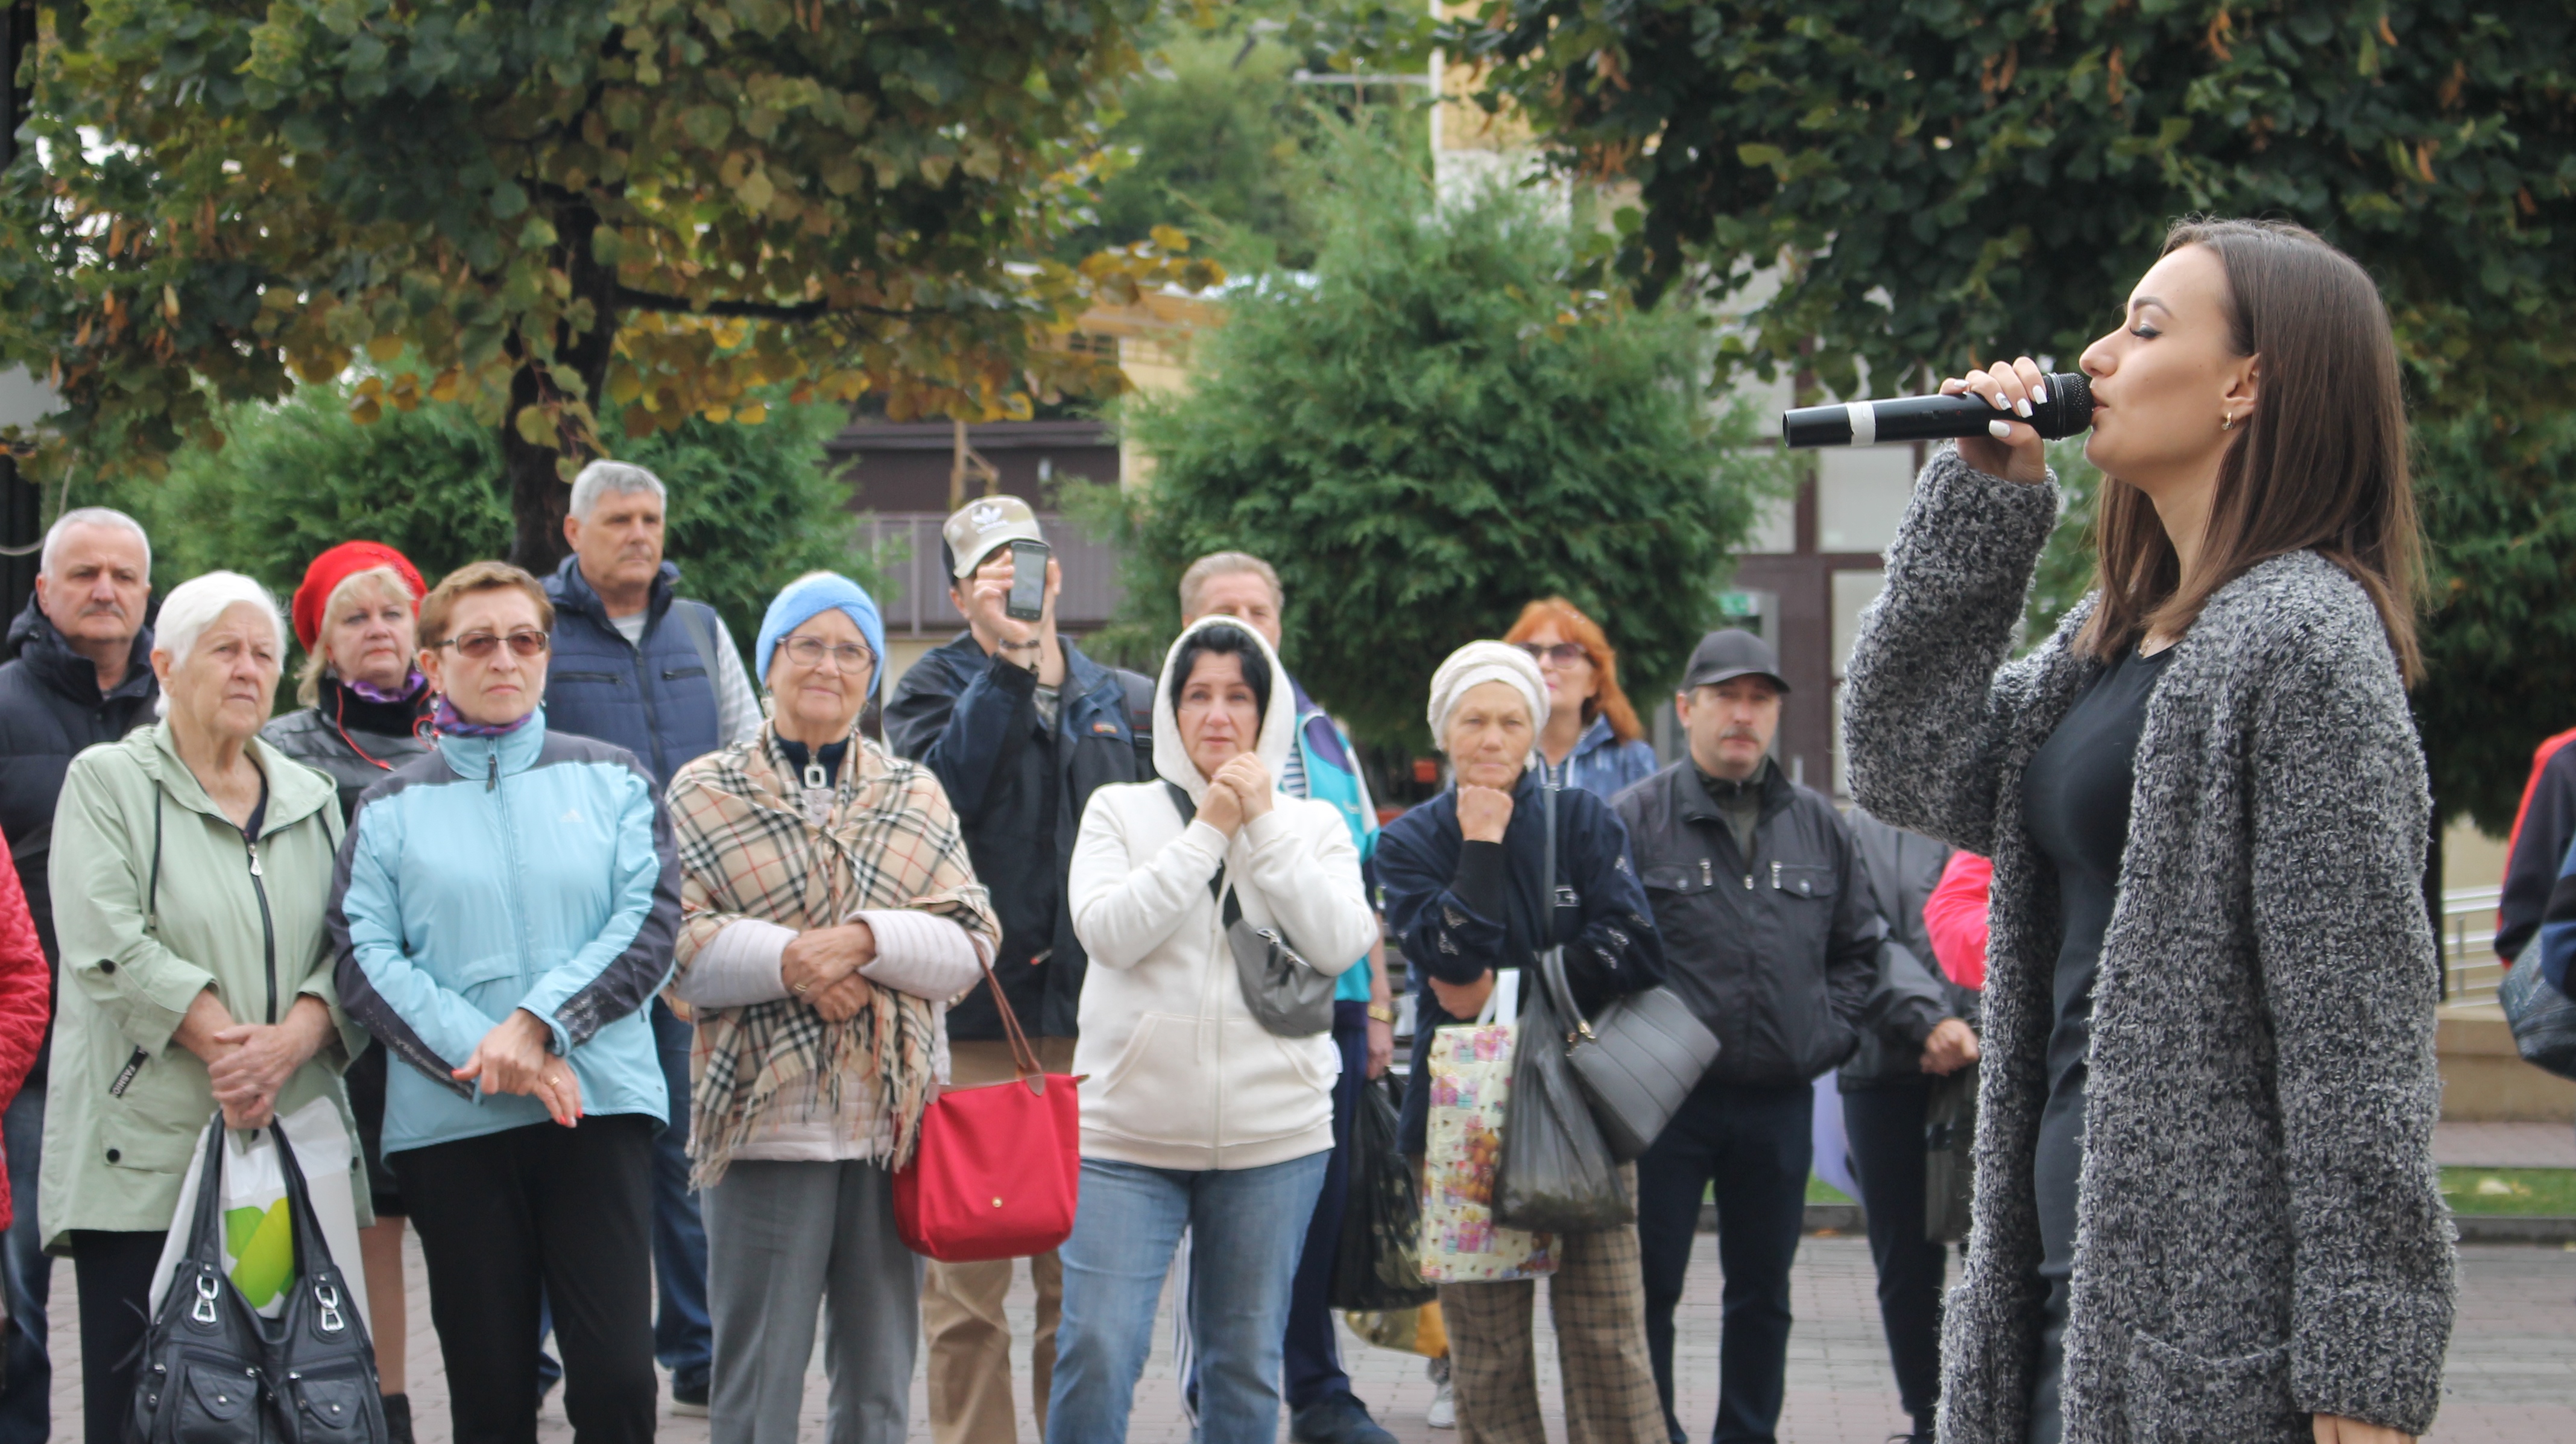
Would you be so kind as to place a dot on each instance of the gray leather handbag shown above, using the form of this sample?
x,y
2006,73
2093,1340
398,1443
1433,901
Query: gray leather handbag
x,y
1285,993
1635,1060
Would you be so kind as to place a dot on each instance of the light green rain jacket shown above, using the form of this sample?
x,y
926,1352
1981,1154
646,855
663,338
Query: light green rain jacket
x,y
116,1147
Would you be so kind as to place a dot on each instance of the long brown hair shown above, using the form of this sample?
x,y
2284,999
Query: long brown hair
x,y
1570,623
2319,464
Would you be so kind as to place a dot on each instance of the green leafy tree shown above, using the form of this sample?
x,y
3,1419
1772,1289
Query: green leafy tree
x,y
558,214
750,507
1430,431
1940,180
1935,184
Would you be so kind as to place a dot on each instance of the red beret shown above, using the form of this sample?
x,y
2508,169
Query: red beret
x,y
337,565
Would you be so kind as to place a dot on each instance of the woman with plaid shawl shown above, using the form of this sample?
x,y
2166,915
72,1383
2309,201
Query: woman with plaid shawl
x,y
829,915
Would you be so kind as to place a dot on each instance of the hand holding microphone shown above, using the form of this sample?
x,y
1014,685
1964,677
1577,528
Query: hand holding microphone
x,y
2012,448
1997,415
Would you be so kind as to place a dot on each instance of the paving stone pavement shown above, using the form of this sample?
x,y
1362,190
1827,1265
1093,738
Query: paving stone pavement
x,y
2511,1380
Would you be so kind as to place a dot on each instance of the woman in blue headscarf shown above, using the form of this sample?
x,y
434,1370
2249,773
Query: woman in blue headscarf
x,y
829,914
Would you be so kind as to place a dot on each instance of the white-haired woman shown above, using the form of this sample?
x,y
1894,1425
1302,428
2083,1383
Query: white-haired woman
x,y
192,865
1465,898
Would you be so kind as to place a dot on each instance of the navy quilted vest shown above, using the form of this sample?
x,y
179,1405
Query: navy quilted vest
x,y
656,700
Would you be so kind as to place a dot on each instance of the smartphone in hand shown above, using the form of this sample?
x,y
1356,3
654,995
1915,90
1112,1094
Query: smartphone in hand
x,y
1027,601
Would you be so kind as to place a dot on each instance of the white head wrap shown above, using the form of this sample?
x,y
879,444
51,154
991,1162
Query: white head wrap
x,y
1481,662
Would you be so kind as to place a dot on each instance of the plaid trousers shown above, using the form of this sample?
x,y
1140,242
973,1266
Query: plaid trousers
x,y
1598,1299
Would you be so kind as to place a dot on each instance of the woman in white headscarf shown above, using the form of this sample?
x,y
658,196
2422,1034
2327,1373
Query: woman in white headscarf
x,y
1461,878
1194,1115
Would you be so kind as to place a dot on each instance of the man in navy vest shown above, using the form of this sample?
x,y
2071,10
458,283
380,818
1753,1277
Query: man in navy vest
x,y
638,666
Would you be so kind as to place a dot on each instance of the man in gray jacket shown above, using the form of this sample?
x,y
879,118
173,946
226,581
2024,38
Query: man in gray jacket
x,y
1771,935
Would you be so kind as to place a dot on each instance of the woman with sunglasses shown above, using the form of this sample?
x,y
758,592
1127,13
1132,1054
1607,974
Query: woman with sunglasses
x,y
504,909
356,616
830,915
1591,738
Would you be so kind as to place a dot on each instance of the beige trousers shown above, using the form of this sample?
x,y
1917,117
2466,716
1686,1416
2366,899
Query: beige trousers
x,y
961,1304
1598,1298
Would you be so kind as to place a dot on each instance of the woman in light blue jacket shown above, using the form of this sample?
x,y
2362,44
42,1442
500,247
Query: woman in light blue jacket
x,y
504,908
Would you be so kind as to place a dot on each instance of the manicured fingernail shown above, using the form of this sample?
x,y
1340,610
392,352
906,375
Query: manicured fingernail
x,y
1999,430
1996,401
2022,406
2041,390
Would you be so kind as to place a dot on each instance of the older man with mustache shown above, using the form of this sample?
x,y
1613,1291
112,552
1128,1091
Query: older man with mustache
x,y
1771,934
82,675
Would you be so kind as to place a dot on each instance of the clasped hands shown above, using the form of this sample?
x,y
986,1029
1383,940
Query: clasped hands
x,y
518,1057
249,1062
821,969
1239,792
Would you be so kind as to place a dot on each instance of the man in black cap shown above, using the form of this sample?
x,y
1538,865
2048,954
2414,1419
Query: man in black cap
x,y
1771,936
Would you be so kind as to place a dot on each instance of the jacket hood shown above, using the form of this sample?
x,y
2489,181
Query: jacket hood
x,y
33,640
295,791
1278,720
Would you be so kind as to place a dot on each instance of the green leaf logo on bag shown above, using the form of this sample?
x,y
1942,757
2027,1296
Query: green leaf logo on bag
x,y
262,1243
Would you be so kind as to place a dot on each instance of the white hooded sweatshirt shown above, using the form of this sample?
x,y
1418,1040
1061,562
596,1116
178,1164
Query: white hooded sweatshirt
x,y
1181,1075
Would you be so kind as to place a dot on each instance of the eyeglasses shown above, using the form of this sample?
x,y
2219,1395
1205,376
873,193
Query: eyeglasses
x,y
478,645
810,652
1563,654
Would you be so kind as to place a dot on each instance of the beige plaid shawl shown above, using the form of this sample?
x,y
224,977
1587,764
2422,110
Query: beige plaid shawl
x,y
748,851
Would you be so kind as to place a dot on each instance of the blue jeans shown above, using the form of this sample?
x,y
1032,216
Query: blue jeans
x,y
683,1340
26,1404
1247,1226
1755,1145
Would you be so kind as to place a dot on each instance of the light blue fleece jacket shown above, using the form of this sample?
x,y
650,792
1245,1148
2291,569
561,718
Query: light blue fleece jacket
x,y
533,870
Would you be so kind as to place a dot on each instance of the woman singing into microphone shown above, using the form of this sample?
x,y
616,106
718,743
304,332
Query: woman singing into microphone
x,y
2206,1200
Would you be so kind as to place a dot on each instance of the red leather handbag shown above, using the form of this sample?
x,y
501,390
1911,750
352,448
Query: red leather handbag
x,y
998,1170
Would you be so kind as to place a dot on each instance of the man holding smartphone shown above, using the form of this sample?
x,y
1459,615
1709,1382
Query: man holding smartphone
x,y
1020,728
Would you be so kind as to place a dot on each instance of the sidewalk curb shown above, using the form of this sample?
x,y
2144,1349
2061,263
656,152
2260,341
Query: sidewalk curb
x,y
2512,1228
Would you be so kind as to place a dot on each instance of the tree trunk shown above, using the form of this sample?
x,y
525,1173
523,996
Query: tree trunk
x,y
539,494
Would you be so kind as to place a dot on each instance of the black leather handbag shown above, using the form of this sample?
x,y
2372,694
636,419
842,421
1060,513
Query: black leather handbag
x,y
214,1372
1636,1059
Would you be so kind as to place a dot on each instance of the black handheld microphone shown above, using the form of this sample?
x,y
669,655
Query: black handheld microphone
x,y
2068,411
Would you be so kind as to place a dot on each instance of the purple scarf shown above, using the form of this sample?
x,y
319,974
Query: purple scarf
x,y
445,719
410,688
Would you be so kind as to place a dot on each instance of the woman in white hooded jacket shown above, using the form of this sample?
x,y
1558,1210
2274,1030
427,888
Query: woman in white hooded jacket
x,y
1193,1114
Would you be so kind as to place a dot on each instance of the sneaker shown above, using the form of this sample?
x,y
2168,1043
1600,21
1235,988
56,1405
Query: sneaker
x,y
1443,1413
689,1403
1340,1419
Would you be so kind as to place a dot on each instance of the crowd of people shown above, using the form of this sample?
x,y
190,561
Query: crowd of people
x,y
632,988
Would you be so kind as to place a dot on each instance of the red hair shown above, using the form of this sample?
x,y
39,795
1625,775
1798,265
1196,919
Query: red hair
x,y
1573,626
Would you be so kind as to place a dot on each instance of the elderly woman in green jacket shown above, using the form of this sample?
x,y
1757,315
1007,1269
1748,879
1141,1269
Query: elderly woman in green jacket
x,y
192,865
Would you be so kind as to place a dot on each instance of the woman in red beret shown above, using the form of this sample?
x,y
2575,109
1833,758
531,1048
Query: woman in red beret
x,y
363,700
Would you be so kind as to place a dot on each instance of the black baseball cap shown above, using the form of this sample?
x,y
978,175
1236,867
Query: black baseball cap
x,y
1723,656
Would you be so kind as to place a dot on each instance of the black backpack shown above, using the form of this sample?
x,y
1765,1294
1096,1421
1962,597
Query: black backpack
x,y
215,1372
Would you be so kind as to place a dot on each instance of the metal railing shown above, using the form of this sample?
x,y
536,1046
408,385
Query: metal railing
x,y
2469,960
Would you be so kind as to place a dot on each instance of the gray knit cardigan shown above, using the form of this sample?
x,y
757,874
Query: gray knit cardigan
x,y
2260,1227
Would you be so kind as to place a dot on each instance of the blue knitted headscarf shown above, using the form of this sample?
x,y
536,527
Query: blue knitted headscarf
x,y
808,597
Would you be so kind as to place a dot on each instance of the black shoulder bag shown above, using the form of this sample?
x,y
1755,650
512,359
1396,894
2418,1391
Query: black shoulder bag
x,y
1636,1059
214,1372
1285,993
1556,1174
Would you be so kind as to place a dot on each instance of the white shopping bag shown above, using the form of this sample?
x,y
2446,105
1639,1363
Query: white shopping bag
x,y
259,1234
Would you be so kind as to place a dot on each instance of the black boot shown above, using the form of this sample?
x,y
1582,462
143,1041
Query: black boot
x,y
397,1418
